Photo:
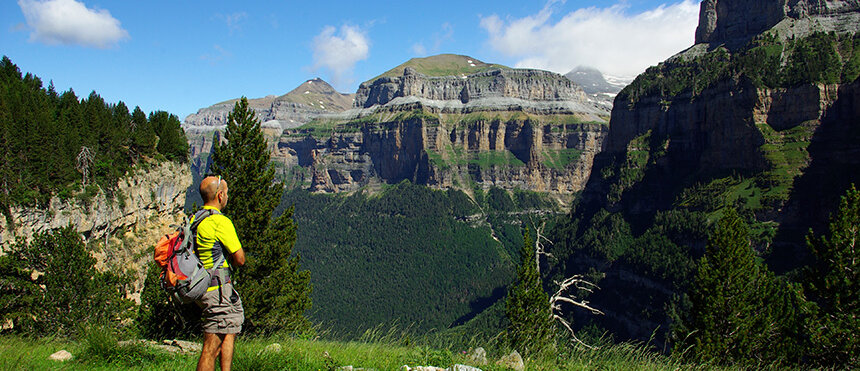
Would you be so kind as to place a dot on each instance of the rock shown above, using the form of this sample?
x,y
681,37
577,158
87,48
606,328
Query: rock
x,y
400,150
61,356
512,361
522,84
736,21
273,348
478,356
464,368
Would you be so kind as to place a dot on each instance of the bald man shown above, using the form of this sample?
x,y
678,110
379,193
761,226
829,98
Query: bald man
x,y
223,314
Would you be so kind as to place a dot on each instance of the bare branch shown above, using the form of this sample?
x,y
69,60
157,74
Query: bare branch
x,y
540,248
563,296
84,161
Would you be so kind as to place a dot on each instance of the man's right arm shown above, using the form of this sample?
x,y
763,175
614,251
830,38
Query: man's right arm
x,y
238,257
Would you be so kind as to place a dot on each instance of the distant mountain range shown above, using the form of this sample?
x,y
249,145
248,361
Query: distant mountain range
x,y
309,100
601,89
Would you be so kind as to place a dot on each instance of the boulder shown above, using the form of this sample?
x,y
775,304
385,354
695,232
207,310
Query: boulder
x,y
513,361
477,356
61,356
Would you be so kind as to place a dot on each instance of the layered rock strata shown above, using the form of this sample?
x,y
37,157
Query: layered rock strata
x,y
506,154
506,85
734,22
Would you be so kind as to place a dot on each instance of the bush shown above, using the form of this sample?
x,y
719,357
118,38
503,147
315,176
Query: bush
x,y
50,286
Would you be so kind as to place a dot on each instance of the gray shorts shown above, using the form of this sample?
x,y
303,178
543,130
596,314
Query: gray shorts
x,y
222,314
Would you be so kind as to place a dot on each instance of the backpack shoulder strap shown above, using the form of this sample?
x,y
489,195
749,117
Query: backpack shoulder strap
x,y
200,215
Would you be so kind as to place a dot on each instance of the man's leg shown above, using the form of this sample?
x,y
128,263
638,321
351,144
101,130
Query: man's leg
x,y
211,348
227,351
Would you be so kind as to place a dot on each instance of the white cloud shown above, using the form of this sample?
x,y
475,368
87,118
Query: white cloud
x,y
340,52
445,34
233,21
609,39
70,22
217,56
419,49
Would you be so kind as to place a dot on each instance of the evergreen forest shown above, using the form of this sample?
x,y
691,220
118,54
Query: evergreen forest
x,y
55,144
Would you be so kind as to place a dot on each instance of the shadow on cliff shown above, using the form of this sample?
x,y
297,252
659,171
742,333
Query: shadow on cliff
x,y
834,153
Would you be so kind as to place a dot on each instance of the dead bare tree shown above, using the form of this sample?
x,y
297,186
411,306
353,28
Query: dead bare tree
x,y
563,295
84,161
540,248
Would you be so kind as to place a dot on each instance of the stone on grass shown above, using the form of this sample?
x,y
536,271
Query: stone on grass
x,y
61,356
273,348
512,361
478,356
465,368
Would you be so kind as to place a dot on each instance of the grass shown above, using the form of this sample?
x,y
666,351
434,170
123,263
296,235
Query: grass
x,y
441,65
559,159
380,351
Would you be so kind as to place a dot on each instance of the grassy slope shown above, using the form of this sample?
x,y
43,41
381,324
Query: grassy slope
x,y
442,65
387,353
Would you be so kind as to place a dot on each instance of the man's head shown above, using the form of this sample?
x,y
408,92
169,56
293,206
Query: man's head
x,y
213,189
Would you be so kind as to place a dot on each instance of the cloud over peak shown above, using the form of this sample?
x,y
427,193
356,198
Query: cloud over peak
x,y
607,38
340,51
69,22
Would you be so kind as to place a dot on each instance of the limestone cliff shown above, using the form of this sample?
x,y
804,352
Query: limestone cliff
x,y
529,85
121,230
507,153
735,22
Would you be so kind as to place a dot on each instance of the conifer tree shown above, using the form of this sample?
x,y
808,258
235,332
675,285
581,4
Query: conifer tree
x,y
835,286
527,306
736,304
276,293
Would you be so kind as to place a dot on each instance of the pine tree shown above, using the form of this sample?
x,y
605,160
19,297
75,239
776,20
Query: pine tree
x,y
835,286
739,311
527,306
276,293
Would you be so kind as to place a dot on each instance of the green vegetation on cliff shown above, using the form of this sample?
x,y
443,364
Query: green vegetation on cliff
x,y
53,144
767,62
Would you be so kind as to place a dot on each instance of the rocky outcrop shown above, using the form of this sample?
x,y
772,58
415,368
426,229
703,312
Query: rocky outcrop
x,y
734,22
147,202
522,84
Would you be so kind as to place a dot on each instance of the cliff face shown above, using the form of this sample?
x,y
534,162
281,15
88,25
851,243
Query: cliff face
x,y
119,231
713,128
531,85
737,21
508,154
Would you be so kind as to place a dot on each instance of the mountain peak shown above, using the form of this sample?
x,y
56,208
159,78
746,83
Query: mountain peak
x,y
442,65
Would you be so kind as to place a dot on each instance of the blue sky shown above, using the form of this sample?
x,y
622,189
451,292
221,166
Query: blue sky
x,y
182,55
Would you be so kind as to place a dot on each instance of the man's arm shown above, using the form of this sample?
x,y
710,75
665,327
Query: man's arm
x,y
238,257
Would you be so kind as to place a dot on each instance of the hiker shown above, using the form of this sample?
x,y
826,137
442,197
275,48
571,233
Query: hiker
x,y
223,314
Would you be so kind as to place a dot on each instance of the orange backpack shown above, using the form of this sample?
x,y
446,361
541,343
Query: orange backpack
x,y
182,273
